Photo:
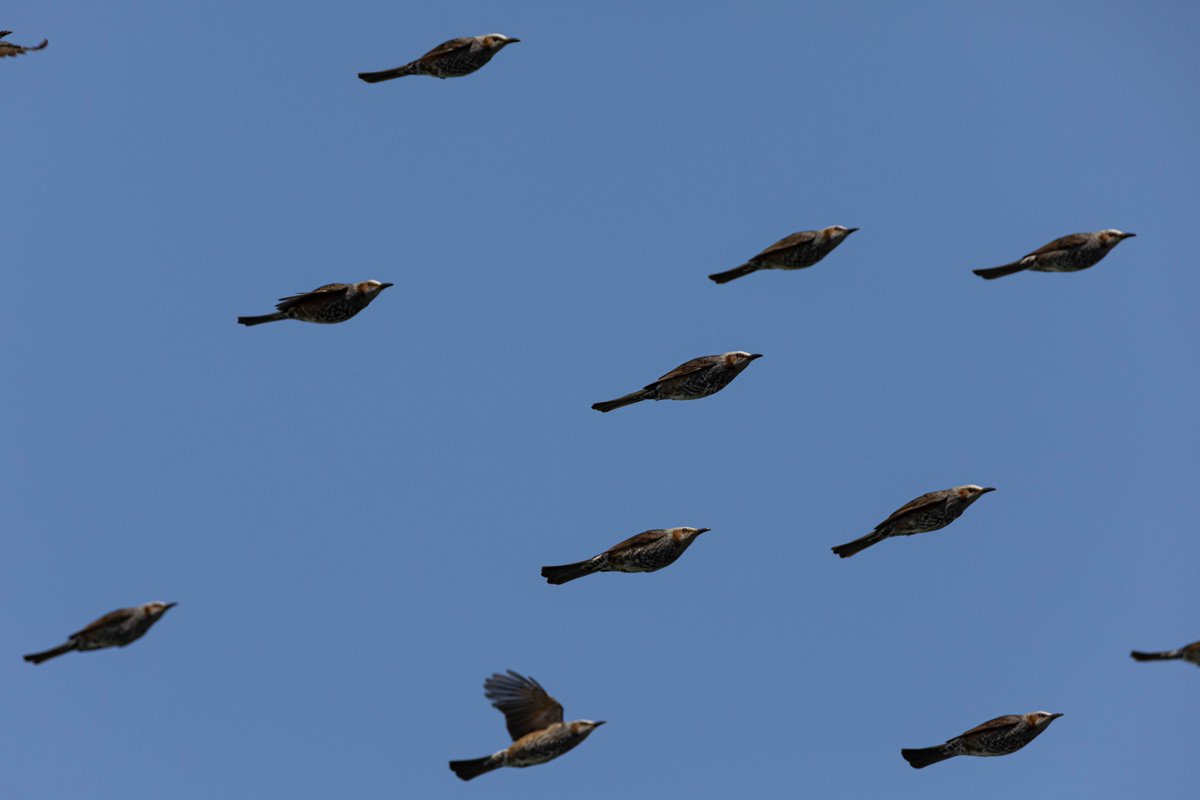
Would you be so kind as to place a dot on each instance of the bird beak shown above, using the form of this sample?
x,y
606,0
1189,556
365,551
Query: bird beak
x,y
597,724
1128,235
383,286
1055,716
169,606
753,356
987,489
511,41
851,230
702,530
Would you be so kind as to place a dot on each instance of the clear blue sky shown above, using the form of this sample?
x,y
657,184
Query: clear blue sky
x,y
352,518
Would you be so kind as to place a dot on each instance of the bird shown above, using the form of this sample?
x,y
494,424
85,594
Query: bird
x,y
452,59
929,512
10,49
115,629
646,552
1066,254
996,737
691,380
1189,653
535,723
800,250
334,302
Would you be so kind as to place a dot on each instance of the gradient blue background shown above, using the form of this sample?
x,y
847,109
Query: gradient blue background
x,y
352,518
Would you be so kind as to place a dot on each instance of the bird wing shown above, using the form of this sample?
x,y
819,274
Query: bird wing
x,y
1061,243
111,618
687,367
999,723
446,48
524,703
788,242
643,538
316,294
924,501
10,49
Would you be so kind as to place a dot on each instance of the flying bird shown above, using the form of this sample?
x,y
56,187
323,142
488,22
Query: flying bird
x,y
691,380
996,737
1068,254
334,302
452,59
646,552
116,629
535,723
797,251
1189,653
929,512
10,49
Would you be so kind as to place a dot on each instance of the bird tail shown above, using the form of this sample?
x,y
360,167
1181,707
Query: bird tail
x,y
920,758
568,572
475,767
730,274
999,272
46,655
621,402
858,545
387,74
1164,656
248,321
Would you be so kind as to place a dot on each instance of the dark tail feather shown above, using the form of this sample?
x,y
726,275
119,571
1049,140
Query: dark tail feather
x,y
858,545
999,272
260,320
621,402
923,757
387,74
37,658
1165,656
730,274
567,572
474,767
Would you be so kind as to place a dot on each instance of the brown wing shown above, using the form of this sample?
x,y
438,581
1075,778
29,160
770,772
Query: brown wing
x,y
645,537
1062,243
788,242
924,501
695,365
446,48
10,49
999,723
316,294
523,702
111,618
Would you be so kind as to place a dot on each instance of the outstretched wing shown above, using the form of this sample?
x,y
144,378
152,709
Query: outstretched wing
x,y
320,293
997,724
446,48
110,619
788,242
524,703
1062,243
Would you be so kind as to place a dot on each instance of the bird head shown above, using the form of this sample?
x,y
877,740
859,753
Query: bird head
x,y
157,608
1113,237
371,287
739,358
1040,719
583,727
497,41
970,493
687,534
839,231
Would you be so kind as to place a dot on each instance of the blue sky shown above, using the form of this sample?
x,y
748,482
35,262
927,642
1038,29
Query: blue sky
x,y
352,518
